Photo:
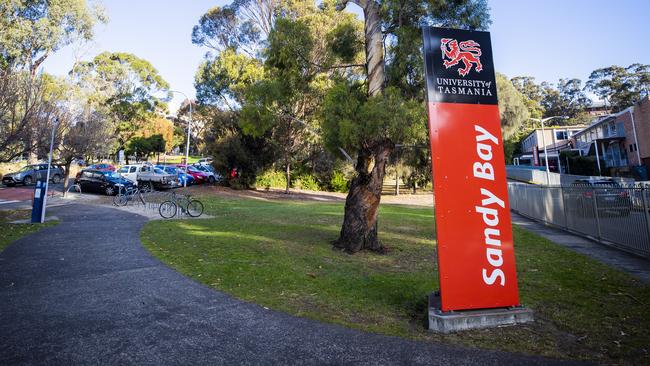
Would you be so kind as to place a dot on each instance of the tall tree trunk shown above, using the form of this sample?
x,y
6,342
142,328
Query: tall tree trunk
x,y
374,42
288,177
66,177
359,230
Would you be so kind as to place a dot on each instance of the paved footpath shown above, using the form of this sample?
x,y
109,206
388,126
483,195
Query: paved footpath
x,y
86,292
632,264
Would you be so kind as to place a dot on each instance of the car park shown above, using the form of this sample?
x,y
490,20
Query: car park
x,y
106,182
605,195
30,174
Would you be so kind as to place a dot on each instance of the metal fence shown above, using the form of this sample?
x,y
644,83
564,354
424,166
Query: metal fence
x,y
614,214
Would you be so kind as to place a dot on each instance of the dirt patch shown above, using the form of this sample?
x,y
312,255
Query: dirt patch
x,y
420,199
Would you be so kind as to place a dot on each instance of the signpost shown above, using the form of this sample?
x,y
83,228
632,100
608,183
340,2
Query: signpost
x,y
476,258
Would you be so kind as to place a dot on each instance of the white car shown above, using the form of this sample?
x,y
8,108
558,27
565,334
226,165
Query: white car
x,y
213,176
130,172
205,161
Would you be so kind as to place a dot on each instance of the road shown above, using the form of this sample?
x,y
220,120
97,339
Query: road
x,y
20,196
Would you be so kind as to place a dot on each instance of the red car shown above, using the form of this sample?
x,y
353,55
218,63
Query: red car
x,y
103,167
199,176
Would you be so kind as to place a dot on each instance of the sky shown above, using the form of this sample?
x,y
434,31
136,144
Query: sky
x,y
548,39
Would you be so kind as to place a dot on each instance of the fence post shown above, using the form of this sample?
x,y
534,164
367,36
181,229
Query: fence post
x,y
646,214
566,218
596,213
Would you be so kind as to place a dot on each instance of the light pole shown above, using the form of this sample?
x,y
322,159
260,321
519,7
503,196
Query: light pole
x,y
548,172
49,165
187,147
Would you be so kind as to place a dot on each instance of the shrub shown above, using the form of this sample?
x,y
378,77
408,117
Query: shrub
x,y
306,181
339,182
271,179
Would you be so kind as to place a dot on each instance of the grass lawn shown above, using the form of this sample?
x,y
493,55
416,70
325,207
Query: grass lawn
x,y
176,159
13,232
278,254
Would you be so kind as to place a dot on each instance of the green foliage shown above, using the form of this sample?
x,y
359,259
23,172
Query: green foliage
x,y
223,80
351,119
568,99
401,23
345,41
225,27
246,154
271,179
620,86
31,30
512,106
145,146
339,182
532,92
126,85
306,181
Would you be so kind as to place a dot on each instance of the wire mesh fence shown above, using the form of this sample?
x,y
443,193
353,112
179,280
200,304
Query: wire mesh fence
x,y
609,212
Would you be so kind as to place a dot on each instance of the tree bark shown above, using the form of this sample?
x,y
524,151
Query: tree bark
x,y
359,230
66,177
374,47
288,177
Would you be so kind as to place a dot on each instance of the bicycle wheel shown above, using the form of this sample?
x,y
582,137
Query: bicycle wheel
x,y
194,208
121,200
167,209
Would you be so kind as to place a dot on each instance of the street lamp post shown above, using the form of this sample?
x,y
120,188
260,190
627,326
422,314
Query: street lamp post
x,y
541,121
187,147
49,165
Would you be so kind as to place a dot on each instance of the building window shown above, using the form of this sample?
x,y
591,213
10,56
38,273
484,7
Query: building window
x,y
633,147
561,135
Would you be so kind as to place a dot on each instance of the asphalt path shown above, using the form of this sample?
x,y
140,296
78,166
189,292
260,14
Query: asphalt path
x,y
86,292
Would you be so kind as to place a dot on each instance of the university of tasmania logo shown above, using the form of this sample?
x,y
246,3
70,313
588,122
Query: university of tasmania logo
x,y
454,52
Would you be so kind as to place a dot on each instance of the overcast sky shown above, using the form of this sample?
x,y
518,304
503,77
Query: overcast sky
x,y
548,39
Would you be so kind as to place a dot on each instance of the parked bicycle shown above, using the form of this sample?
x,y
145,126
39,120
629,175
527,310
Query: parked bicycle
x,y
125,195
188,206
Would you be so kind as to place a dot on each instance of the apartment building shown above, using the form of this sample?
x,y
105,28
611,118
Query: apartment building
x,y
555,138
622,139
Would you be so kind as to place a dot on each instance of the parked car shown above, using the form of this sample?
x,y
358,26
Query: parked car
x,y
103,167
608,194
107,182
205,161
209,170
32,173
182,177
152,177
199,176
130,172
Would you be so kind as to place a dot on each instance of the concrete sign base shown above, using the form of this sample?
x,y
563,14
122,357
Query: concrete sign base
x,y
452,321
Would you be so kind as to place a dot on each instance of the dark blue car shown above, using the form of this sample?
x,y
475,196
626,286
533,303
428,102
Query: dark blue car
x,y
106,182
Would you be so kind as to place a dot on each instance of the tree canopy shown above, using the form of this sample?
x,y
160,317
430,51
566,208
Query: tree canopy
x,y
31,30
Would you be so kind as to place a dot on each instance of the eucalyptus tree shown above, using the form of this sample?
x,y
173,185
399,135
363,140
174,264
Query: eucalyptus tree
x,y
31,30
374,123
129,87
620,86
26,110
